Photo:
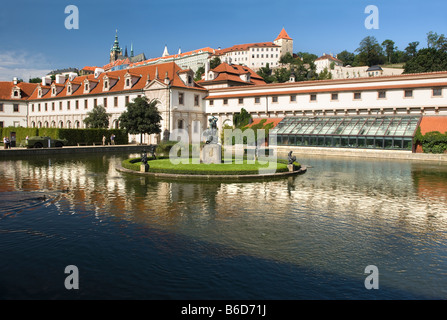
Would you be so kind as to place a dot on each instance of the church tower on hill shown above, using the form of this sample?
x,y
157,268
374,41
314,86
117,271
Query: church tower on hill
x,y
115,51
285,42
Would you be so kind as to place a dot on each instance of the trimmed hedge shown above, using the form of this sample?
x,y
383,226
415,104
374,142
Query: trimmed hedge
x,y
21,133
73,136
134,164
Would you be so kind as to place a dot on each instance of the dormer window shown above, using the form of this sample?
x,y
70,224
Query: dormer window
x,y
106,84
86,87
53,91
127,82
39,93
69,89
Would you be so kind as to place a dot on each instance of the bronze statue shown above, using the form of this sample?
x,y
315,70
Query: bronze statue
x,y
291,159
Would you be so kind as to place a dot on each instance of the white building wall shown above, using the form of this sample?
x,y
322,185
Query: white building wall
x,y
11,118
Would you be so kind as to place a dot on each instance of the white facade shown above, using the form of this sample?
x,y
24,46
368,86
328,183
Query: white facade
x,y
424,94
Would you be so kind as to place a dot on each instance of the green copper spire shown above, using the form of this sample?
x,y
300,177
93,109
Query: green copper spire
x,y
116,45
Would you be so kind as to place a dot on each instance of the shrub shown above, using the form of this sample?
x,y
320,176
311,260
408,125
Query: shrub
x,y
432,142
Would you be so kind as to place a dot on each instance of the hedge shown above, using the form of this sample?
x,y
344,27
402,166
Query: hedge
x,y
74,136
134,164
21,133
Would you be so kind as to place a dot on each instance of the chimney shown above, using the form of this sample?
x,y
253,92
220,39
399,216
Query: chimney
x,y
60,79
46,81
71,76
98,71
15,80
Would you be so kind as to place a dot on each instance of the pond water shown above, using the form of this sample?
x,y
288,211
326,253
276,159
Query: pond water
x,y
307,237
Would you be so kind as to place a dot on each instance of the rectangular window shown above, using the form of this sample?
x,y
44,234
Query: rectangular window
x,y
115,102
313,97
52,106
257,100
241,100
60,105
85,104
46,106
77,104
68,105
211,102
437,92
225,101
334,96
1,124
381,94
357,95
32,107
275,99
1,107
408,94
196,100
38,107
16,107
180,98
105,102
293,98
180,124
95,102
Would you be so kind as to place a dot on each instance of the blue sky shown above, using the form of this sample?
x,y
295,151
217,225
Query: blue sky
x,y
34,39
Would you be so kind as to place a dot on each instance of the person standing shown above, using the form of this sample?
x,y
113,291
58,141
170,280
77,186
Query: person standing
x,y
4,143
112,139
103,140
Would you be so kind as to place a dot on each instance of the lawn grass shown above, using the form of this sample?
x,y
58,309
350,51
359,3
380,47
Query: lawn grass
x,y
166,166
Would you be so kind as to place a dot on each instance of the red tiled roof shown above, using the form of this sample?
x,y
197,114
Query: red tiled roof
x,y
142,73
328,56
87,68
245,47
283,35
181,55
25,88
227,72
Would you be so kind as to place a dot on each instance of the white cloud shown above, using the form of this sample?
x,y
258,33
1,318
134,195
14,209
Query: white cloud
x,y
22,65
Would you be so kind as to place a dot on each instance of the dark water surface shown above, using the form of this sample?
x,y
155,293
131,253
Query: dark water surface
x,y
308,237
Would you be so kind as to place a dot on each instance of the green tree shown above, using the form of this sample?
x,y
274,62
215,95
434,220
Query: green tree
x,y
97,118
325,74
389,48
436,41
266,74
347,58
282,75
427,60
141,117
35,80
286,58
370,52
411,50
215,62
199,73
241,119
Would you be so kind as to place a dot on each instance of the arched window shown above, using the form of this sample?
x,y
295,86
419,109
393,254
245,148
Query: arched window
x,y
61,124
53,124
45,124
68,124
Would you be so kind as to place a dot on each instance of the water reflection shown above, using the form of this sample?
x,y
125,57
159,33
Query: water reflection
x,y
342,215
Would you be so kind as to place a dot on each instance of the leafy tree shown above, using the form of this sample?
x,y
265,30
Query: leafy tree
x,y
286,58
282,75
389,48
35,80
436,41
141,117
370,52
215,62
97,118
266,74
325,74
411,50
346,57
199,73
306,57
427,60
241,119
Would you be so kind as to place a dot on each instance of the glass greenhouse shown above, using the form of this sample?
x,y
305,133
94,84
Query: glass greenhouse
x,y
380,132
